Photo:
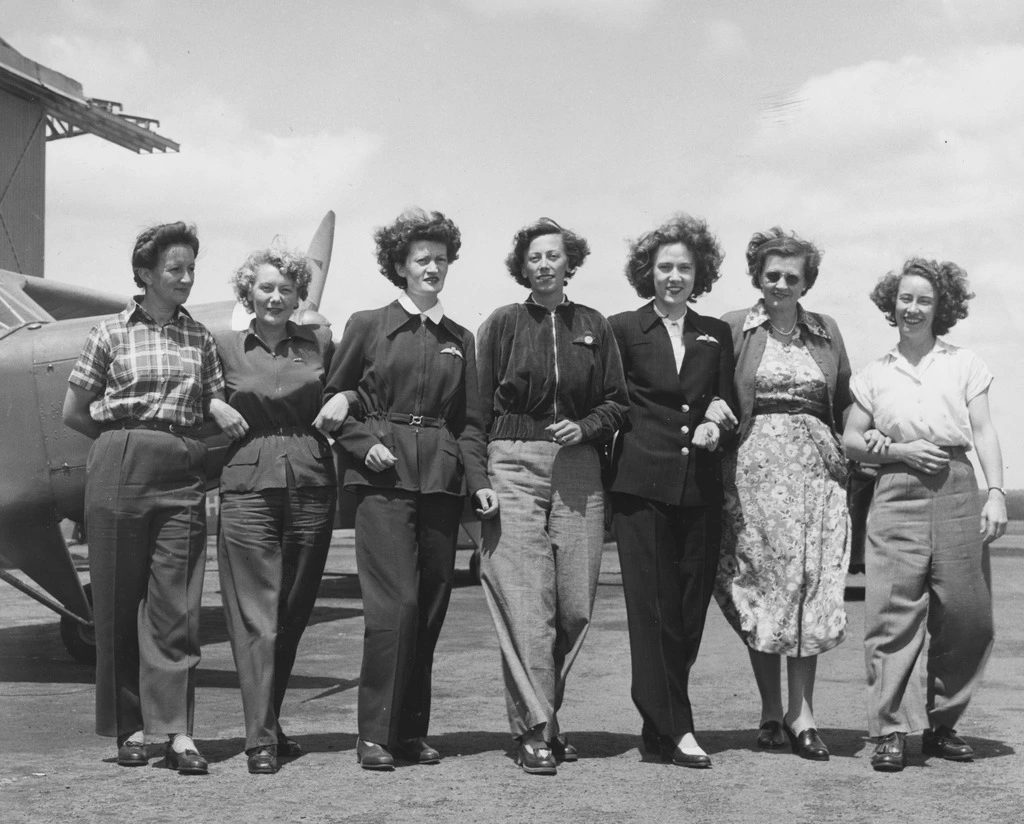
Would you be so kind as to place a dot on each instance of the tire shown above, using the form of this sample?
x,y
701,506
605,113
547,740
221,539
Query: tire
x,y
79,640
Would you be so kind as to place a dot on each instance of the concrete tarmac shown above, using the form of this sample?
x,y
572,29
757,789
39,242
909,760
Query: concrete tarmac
x,y
54,768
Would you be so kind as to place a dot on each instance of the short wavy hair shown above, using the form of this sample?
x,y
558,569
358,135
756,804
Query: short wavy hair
x,y
952,291
293,265
395,240
694,234
153,241
777,242
576,248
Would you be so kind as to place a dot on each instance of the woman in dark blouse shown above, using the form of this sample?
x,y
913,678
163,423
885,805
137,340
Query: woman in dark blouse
x,y
278,491
411,455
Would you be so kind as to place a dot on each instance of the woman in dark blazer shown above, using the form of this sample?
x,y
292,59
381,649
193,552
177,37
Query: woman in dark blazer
x,y
666,476
411,453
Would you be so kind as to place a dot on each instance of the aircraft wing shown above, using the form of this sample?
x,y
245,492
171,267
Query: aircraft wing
x,y
55,300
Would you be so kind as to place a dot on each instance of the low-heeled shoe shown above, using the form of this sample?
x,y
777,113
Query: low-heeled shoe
x,y
132,754
537,760
189,762
697,761
372,756
945,743
417,751
263,761
808,744
563,750
288,747
889,754
770,736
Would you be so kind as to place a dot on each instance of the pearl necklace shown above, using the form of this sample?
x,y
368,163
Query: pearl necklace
x,y
788,334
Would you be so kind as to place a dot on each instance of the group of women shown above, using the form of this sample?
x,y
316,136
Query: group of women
x,y
720,444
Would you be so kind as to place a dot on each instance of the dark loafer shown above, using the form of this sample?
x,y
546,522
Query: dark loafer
x,y
263,761
288,747
189,762
417,751
945,743
563,750
536,760
132,754
697,761
889,755
808,744
372,756
770,736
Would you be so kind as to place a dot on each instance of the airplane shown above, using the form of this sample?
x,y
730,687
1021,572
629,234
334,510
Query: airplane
x,y
43,326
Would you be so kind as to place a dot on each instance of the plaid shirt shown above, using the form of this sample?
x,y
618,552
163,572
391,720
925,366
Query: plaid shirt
x,y
148,372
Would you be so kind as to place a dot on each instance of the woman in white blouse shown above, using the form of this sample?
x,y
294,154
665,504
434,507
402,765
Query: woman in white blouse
x,y
917,410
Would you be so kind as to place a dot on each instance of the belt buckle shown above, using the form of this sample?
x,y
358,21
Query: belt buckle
x,y
415,420
178,429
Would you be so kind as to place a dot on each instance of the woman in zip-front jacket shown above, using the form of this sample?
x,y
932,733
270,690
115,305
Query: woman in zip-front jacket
x,y
552,391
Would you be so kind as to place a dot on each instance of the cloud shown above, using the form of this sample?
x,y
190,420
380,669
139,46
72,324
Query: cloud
x,y
610,14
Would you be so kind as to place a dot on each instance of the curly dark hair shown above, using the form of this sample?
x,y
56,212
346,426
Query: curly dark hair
x,y
694,234
777,242
952,291
576,248
151,243
293,265
394,241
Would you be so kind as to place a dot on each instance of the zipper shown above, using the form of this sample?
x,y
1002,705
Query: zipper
x,y
554,341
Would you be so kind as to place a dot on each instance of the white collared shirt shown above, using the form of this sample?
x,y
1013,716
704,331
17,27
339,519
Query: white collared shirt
x,y
675,334
434,313
927,401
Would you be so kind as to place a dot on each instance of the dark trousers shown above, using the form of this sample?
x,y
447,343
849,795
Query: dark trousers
x,y
668,556
405,554
146,521
272,550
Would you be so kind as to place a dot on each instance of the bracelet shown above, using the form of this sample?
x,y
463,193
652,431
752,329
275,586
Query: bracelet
x,y
998,489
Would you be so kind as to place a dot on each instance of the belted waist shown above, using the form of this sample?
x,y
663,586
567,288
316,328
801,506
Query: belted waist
x,y
515,426
783,407
261,432
154,426
409,419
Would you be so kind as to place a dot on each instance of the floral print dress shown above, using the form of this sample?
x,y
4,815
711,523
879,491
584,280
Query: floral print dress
x,y
786,532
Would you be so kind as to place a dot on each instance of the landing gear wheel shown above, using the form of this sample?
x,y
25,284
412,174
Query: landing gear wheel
x,y
79,640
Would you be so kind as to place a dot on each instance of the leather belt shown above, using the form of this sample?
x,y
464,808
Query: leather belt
x,y
413,420
154,426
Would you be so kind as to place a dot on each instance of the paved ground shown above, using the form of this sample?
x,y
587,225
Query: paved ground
x,y
54,768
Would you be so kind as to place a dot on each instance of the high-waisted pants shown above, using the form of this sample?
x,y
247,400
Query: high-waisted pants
x,y
926,569
146,521
272,549
405,555
540,565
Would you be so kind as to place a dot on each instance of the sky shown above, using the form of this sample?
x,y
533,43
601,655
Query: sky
x,y
879,129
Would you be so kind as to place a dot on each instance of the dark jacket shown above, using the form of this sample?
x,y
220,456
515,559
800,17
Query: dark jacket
x,y
538,367
825,344
401,367
653,456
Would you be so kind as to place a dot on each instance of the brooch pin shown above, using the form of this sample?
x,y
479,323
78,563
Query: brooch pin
x,y
453,350
587,339
711,339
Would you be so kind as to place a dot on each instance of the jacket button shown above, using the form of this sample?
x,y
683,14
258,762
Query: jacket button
x,y
684,429
684,408
685,450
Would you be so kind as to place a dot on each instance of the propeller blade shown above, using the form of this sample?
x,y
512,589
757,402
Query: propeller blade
x,y
319,256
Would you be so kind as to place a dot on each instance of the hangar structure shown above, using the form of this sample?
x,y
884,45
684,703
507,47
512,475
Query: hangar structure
x,y
38,105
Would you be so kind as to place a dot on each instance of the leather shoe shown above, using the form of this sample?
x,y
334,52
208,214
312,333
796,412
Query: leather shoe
x,y
889,755
263,761
417,751
372,756
132,754
563,750
189,762
288,747
536,759
770,736
697,761
945,743
808,744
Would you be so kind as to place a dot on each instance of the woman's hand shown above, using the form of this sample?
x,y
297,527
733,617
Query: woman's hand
x,y
719,412
486,501
332,415
379,457
565,433
993,516
922,455
876,442
706,436
229,419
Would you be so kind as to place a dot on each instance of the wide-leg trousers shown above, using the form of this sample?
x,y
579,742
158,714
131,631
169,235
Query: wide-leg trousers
x,y
146,521
540,563
272,549
405,556
669,557
926,569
